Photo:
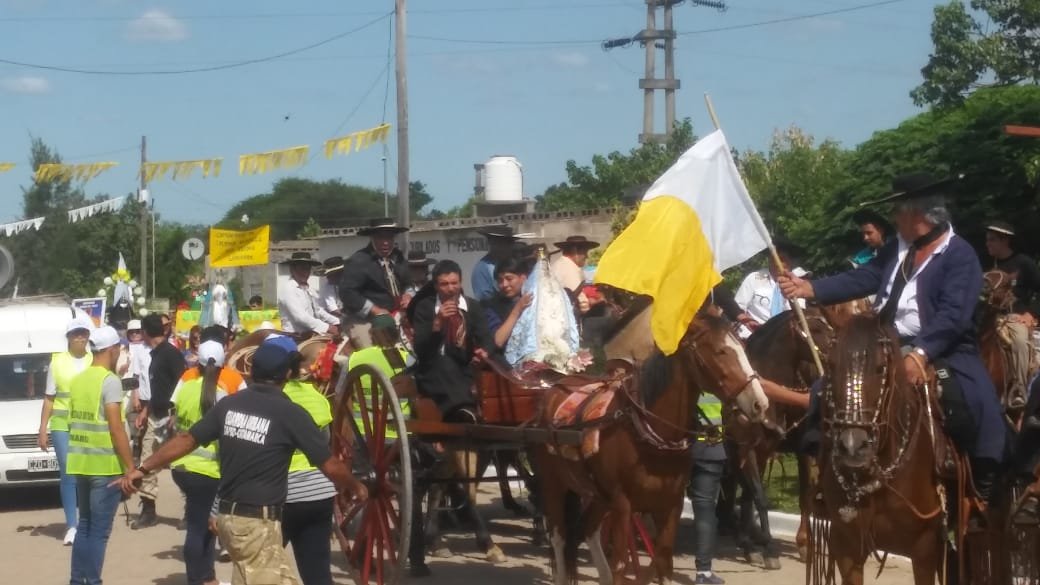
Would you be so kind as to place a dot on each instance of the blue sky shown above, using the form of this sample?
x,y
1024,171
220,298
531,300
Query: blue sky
x,y
841,76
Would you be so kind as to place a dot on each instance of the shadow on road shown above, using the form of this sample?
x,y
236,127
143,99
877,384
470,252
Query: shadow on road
x,y
24,499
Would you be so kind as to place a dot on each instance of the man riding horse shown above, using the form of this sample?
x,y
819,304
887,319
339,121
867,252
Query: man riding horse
x,y
927,283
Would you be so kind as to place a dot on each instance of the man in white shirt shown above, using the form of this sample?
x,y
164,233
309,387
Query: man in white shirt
x,y
759,295
328,291
569,268
299,305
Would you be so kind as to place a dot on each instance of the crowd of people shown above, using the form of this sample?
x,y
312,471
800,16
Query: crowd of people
x,y
240,456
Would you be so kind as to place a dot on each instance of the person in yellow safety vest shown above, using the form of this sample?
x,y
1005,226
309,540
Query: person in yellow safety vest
x,y
99,452
54,419
197,474
374,356
709,462
307,516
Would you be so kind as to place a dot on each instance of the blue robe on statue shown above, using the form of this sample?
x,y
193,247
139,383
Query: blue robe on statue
x,y
523,341
947,292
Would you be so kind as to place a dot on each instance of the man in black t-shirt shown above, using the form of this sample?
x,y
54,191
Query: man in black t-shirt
x,y
1022,320
165,369
258,430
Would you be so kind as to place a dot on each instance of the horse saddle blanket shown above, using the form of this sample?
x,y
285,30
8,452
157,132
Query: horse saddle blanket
x,y
585,405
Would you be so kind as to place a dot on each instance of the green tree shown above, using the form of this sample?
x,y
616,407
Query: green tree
x,y
611,177
310,229
996,45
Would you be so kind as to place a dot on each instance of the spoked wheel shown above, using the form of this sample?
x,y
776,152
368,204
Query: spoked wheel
x,y
638,558
369,433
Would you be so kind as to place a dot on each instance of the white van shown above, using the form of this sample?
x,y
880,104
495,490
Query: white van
x,y
31,329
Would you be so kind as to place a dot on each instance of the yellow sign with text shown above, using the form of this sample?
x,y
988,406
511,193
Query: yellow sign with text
x,y
230,248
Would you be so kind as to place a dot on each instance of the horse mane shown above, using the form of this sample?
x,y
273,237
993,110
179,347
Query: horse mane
x,y
766,334
635,309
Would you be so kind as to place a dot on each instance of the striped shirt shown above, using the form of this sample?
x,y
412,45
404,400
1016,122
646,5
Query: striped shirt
x,y
309,486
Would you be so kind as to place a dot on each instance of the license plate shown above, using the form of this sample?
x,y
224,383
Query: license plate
x,y
43,464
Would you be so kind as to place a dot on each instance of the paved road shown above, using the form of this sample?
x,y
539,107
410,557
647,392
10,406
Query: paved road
x,y
32,523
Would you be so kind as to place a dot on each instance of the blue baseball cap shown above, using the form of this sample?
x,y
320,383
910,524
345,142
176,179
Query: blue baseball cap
x,y
272,359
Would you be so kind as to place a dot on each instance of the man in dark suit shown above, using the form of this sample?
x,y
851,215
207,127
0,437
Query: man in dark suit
x,y
374,282
927,283
451,333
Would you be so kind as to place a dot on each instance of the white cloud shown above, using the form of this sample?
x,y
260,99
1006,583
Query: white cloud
x,y
27,85
570,59
156,25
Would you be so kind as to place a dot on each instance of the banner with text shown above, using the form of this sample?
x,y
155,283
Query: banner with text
x,y
231,248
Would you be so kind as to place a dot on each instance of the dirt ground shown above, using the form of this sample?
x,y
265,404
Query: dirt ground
x,y
32,525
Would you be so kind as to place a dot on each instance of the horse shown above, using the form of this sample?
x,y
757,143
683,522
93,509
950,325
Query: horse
x,y
994,347
643,460
887,472
779,352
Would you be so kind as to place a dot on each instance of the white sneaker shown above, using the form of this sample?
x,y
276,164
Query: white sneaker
x,y
70,536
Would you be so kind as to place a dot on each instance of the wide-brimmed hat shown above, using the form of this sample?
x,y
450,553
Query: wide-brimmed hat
x,y
499,231
301,258
330,265
382,224
577,242
1001,227
913,186
418,258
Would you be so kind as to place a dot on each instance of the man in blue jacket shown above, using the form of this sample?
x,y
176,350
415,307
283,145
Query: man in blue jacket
x,y
927,283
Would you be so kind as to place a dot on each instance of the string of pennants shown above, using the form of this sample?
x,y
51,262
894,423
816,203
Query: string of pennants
x,y
80,213
248,164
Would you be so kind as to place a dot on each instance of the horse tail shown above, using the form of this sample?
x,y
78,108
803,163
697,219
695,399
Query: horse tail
x,y
573,534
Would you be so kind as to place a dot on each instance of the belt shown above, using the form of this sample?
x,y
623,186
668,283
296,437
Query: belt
x,y
250,511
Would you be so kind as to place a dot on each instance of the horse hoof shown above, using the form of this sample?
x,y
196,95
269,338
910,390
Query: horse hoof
x,y
803,553
441,552
772,563
755,559
494,555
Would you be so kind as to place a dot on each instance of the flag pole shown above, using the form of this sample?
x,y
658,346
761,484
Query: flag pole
x,y
799,313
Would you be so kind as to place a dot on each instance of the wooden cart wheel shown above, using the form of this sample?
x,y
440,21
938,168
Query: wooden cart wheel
x,y
369,433
640,547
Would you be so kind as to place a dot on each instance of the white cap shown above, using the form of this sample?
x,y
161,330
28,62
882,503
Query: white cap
x,y
81,321
134,324
266,325
211,350
103,338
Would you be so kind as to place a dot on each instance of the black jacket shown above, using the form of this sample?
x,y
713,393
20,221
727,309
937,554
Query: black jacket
x,y
365,280
446,378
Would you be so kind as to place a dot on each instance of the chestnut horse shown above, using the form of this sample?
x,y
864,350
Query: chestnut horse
x,y
878,468
997,300
643,462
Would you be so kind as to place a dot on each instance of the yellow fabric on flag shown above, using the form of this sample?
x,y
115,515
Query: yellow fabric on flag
x,y
6,166
360,140
695,221
230,248
56,171
262,162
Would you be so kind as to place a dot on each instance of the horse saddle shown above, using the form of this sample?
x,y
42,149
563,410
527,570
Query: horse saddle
x,y
586,405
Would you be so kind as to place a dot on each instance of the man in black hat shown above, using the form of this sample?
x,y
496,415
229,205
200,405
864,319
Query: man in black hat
x,y
298,304
875,232
328,291
927,283
569,268
374,282
500,247
1021,321
418,270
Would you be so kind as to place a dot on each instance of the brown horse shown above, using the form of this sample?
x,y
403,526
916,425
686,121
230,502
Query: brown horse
x,y
880,461
994,348
643,461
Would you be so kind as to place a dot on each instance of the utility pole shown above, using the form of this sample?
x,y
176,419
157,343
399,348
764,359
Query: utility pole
x,y
401,34
143,198
386,179
652,39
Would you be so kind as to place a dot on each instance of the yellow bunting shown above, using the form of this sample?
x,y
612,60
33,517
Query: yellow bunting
x,y
4,167
230,248
263,162
60,172
182,169
360,140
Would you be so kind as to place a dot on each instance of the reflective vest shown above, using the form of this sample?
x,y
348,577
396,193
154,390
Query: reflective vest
x,y
375,357
203,460
711,407
317,405
64,368
90,444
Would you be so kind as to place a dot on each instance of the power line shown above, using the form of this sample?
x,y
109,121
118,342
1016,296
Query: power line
x,y
202,69
790,18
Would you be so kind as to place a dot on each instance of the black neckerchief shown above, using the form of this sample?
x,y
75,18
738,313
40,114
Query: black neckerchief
x,y
906,269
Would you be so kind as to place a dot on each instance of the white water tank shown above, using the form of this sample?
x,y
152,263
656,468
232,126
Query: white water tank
x,y
503,180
